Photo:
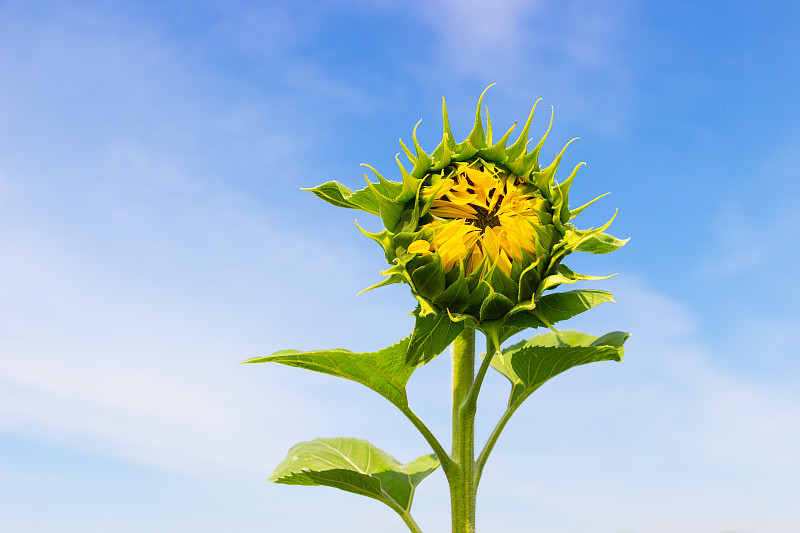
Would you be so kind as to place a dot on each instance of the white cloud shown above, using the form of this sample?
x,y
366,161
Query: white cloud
x,y
477,34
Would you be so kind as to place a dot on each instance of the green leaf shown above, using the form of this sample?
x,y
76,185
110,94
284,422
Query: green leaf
x,y
529,364
384,371
431,336
356,466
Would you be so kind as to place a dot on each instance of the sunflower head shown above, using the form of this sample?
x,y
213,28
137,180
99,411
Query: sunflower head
x,y
477,229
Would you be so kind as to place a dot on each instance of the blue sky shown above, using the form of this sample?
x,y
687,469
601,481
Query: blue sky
x,y
153,234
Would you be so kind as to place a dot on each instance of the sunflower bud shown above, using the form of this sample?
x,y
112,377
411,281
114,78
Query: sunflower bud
x,y
476,229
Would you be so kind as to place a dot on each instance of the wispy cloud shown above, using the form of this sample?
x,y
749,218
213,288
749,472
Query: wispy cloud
x,y
140,270
551,49
152,250
143,366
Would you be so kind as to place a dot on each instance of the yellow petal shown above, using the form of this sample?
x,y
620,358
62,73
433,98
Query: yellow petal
x,y
420,247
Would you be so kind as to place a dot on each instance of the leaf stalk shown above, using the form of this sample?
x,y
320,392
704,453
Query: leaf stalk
x,y
448,465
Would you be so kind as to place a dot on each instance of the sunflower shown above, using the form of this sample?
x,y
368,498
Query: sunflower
x,y
477,229
482,217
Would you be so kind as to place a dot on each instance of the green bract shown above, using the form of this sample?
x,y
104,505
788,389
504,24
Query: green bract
x,y
477,229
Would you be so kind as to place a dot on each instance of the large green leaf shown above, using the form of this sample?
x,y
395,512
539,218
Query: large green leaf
x,y
529,364
432,334
356,466
384,371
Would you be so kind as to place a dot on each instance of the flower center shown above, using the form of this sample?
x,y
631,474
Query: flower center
x,y
485,218
481,218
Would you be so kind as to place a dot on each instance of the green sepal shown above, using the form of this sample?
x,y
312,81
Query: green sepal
x,y
488,127
530,163
560,306
391,280
456,296
385,193
429,279
477,137
423,161
501,283
409,219
495,306
441,157
478,292
575,212
551,309
574,238
517,150
601,243
564,275
546,237
431,336
356,466
497,151
468,320
403,240
408,152
385,239
410,185
528,281
426,308
384,371
464,151
558,195
337,194
448,140
561,199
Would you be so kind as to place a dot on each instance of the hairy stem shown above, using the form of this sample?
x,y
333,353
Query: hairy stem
x,y
487,449
472,398
448,465
462,483
410,522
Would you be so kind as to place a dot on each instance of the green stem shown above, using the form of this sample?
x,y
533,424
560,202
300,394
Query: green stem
x,y
487,449
448,465
472,398
462,489
491,349
410,522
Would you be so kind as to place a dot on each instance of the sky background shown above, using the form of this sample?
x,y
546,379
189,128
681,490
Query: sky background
x,y
153,233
